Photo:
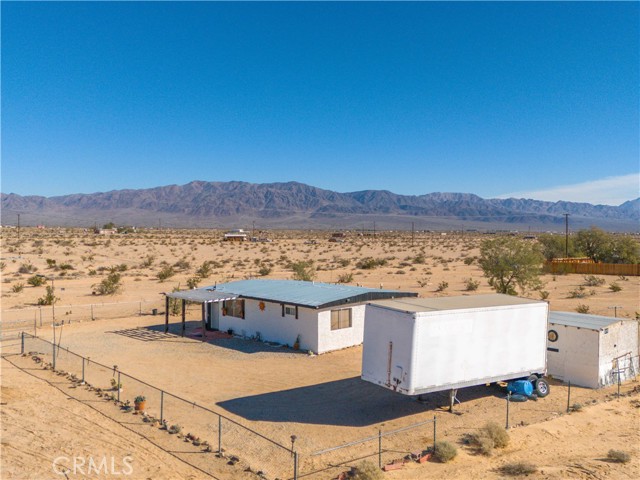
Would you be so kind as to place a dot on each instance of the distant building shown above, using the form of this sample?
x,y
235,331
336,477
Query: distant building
x,y
591,350
237,235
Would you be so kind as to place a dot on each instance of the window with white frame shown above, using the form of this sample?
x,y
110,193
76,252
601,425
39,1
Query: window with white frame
x,y
340,318
233,308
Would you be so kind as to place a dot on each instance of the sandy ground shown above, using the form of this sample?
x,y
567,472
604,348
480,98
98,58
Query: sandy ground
x,y
320,399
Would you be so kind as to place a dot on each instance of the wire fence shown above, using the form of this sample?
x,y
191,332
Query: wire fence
x,y
17,320
224,435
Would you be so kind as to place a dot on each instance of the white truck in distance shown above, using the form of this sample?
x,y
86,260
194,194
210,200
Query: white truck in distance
x,y
420,345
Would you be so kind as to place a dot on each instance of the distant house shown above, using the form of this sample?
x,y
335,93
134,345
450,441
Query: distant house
x,y
320,317
591,350
238,235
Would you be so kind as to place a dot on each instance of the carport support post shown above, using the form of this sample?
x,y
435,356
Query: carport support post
x,y
569,397
166,314
119,385
379,448
161,406
434,434
219,435
21,343
295,465
184,325
204,337
508,402
83,370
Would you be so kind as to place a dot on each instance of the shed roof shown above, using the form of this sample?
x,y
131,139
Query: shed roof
x,y
305,294
460,302
201,295
581,320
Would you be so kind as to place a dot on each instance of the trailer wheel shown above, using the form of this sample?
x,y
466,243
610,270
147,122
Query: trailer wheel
x,y
542,388
533,379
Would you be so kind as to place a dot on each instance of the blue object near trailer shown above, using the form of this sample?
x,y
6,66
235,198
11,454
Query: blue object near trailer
x,y
520,387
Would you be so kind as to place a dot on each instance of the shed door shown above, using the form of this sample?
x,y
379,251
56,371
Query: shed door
x,y
213,316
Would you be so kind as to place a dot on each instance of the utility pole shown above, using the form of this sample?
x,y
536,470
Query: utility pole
x,y
566,235
413,232
18,234
615,310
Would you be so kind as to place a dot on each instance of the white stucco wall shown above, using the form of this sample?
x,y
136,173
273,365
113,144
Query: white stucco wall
x,y
576,360
272,326
344,337
621,338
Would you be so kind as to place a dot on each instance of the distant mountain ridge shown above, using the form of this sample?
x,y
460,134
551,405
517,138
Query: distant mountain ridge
x,y
296,205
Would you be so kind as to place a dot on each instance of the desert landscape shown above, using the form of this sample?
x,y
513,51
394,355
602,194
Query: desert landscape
x,y
274,392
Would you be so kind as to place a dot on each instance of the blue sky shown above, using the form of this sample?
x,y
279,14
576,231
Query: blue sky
x,y
528,99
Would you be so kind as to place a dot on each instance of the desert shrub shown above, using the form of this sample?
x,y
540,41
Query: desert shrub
x,y
420,259
110,285
36,281
615,287
445,451
576,407
367,471
17,288
582,308
471,285
204,270
65,266
342,262
182,264
345,278
619,456
27,268
303,271
518,468
369,263
148,261
49,298
496,433
174,429
593,281
469,260
580,292
165,273
193,282
264,270
51,263
544,294
442,286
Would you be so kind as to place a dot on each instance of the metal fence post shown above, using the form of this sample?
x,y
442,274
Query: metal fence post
x,y
54,356
219,434
161,406
379,448
21,342
119,385
92,317
82,369
569,397
295,465
434,433
40,309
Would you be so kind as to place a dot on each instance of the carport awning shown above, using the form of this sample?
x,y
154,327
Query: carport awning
x,y
202,296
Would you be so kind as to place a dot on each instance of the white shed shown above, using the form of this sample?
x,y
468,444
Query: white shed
x,y
591,350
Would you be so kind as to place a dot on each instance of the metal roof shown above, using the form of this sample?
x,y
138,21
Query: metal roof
x,y
201,295
454,303
581,320
305,294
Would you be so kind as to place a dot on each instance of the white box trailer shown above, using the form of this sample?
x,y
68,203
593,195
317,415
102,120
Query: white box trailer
x,y
420,345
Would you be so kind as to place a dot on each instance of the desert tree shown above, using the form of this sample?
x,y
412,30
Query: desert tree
x,y
509,262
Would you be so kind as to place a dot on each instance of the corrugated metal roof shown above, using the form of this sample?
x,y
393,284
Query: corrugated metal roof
x,y
581,320
454,303
307,294
201,295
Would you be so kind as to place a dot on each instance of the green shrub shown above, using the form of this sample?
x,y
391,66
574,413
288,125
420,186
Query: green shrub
x,y
36,281
264,270
17,288
27,268
193,282
110,285
369,263
445,451
471,285
442,286
345,278
496,433
49,298
544,294
165,273
303,271
615,287
593,281
582,308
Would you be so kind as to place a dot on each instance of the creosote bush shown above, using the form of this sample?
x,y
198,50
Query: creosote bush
x,y
110,285
518,469
490,436
445,452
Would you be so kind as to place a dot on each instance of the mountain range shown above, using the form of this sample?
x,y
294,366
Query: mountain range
x,y
296,205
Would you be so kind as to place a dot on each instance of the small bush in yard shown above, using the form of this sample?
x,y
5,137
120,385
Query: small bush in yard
x,y
518,468
445,452
619,456
496,433
368,471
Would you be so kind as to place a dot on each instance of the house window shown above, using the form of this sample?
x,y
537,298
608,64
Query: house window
x,y
290,311
340,319
233,308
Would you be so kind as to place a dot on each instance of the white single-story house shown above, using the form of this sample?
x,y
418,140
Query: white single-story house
x,y
320,317
591,350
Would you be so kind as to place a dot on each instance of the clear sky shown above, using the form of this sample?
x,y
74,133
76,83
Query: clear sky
x,y
534,99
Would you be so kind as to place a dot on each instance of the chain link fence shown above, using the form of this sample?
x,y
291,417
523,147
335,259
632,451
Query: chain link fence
x,y
224,435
